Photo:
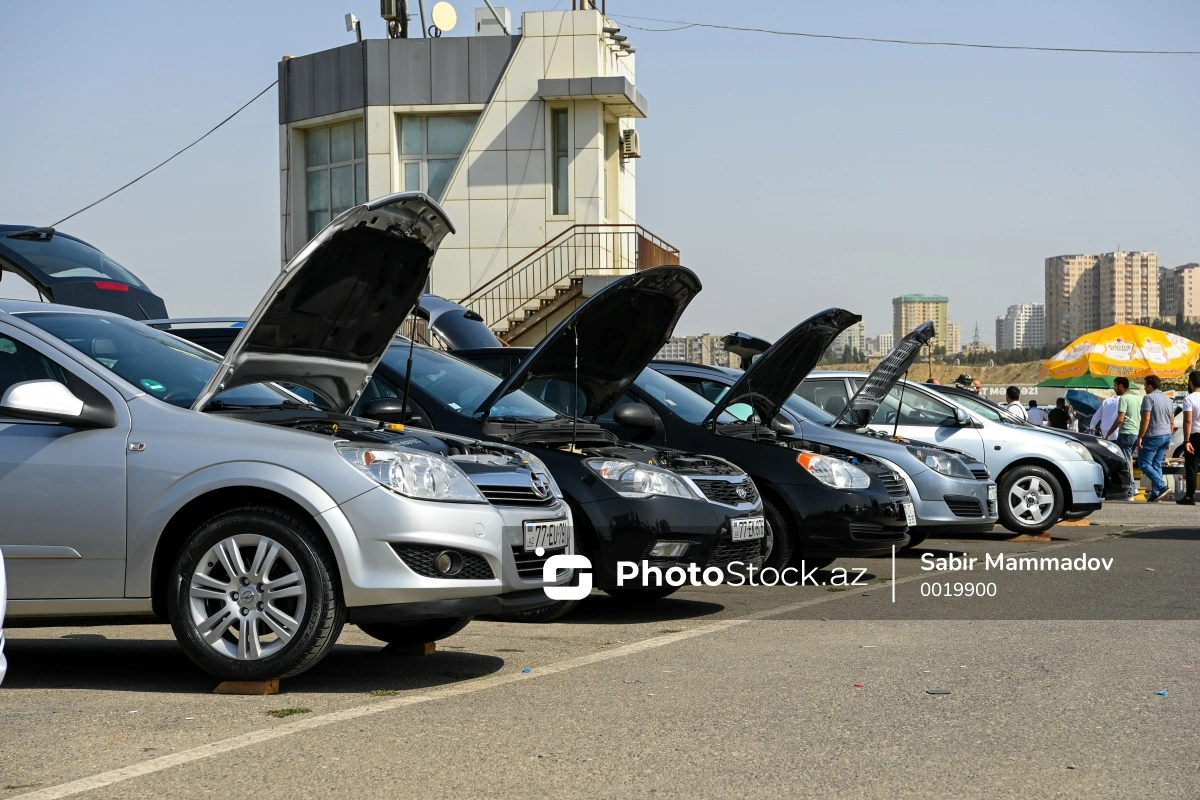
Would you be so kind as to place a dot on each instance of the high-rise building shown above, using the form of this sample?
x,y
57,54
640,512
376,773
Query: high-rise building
x,y
1179,292
1085,292
707,348
953,338
881,345
910,310
1023,325
854,337
675,349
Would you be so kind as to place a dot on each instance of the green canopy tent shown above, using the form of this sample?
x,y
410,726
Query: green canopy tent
x,y
1085,381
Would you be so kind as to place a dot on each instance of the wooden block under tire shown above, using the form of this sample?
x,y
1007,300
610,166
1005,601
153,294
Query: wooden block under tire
x,y
1076,523
248,687
421,649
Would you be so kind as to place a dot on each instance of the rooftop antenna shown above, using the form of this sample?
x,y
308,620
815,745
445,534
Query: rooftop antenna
x,y
444,18
395,13
354,26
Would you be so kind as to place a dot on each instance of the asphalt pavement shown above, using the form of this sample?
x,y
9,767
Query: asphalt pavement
x,y
1047,685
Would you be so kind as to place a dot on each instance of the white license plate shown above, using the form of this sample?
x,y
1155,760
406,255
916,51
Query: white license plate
x,y
748,528
991,494
910,514
552,534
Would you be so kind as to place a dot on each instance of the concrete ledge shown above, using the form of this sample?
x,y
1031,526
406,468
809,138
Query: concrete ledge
x,y
615,91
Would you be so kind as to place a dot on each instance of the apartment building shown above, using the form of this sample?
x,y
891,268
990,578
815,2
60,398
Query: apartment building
x,y
1179,292
1023,325
1085,292
953,338
854,337
707,348
910,310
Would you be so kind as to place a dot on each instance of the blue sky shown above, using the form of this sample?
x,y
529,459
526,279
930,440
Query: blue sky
x,y
794,174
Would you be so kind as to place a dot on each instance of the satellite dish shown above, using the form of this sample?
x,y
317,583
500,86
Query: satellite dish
x,y
444,16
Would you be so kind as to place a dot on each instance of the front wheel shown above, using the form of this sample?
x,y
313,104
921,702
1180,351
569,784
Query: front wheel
x,y
254,596
1031,499
781,540
429,630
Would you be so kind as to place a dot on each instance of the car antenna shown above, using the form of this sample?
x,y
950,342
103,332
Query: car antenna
x,y
899,406
408,370
575,387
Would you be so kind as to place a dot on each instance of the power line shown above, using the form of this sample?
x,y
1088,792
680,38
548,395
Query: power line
x,y
683,26
169,160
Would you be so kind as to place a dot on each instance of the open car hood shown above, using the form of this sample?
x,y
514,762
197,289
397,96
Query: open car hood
x,y
456,326
770,380
614,335
891,368
330,315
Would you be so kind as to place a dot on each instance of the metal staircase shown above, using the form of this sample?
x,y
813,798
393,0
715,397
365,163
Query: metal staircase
x,y
551,277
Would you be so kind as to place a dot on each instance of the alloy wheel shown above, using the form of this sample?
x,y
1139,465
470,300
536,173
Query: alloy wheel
x,y
247,597
1031,500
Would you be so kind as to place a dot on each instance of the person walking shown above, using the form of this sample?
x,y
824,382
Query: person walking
x,y
1059,417
1154,436
1012,403
1191,433
1126,425
1035,415
1105,417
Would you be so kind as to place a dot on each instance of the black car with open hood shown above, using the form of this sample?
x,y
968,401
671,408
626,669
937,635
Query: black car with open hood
x,y
821,501
71,272
658,506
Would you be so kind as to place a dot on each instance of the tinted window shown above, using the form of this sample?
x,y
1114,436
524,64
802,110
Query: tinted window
x,y
460,386
916,408
156,363
61,258
677,398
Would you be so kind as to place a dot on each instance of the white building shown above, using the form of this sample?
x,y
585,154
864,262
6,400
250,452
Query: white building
x,y
527,140
854,337
1022,326
953,338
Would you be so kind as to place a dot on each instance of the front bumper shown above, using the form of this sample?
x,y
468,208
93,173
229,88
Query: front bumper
x,y
509,602
627,528
945,502
387,541
837,523
1085,490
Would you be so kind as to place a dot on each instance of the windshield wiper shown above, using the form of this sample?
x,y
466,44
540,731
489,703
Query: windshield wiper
x,y
38,234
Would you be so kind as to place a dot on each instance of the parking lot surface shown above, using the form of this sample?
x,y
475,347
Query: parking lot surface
x,y
1048,687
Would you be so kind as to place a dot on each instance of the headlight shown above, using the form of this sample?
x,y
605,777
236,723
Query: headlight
x,y
1110,447
942,462
833,472
540,469
1080,450
424,476
630,479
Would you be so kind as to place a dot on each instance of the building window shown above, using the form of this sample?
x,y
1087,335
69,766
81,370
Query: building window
x,y
430,148
561,156
336,172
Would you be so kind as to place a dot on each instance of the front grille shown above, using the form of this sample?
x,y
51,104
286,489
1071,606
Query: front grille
x,y
865,530
964,506
514,496
725,492
529,565
893,483
419,558
980,472
729,551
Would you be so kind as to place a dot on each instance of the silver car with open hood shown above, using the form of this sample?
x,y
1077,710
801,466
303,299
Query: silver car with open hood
x,y
145,479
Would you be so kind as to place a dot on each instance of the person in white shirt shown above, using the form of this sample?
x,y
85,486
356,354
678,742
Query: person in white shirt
x,y
1105,418
1012,403
1036,415
1191,432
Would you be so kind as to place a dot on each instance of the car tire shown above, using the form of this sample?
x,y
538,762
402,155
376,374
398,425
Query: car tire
x,y
427,630
280,632
639,595
1180,452
550,613
782,545
1020,514
915,538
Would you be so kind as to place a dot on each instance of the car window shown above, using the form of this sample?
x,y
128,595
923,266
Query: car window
x,y
827,394
983,408
708,389
915,408
20,362
157,363
62,258
677,398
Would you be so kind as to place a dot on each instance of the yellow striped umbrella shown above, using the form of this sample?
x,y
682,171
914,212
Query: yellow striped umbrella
x,y
1134,351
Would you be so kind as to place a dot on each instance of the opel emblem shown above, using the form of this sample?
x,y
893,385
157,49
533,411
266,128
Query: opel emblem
x,y
541,485
741,491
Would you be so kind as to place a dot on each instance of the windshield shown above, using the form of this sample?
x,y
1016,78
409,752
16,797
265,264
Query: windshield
x,y
154,362
61,258
985,409
678,398
460,386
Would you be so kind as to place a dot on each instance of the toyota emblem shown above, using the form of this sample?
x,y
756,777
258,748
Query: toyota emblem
x,y
541,485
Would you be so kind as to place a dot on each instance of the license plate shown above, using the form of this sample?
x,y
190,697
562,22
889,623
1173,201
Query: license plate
x,y
748,528
991,494
910,514
551,534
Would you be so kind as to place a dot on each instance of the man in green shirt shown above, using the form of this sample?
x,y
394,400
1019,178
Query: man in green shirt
x,y
1127,423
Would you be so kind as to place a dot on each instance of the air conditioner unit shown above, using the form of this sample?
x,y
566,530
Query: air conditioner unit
x,y
392,10
630,147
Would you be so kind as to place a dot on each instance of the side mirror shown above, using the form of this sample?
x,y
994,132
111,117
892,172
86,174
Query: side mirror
x,y
390,409
42,400
962,417
783,427
634,415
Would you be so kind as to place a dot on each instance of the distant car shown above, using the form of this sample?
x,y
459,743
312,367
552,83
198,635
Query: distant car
x,y
948,490
71,272
143,479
